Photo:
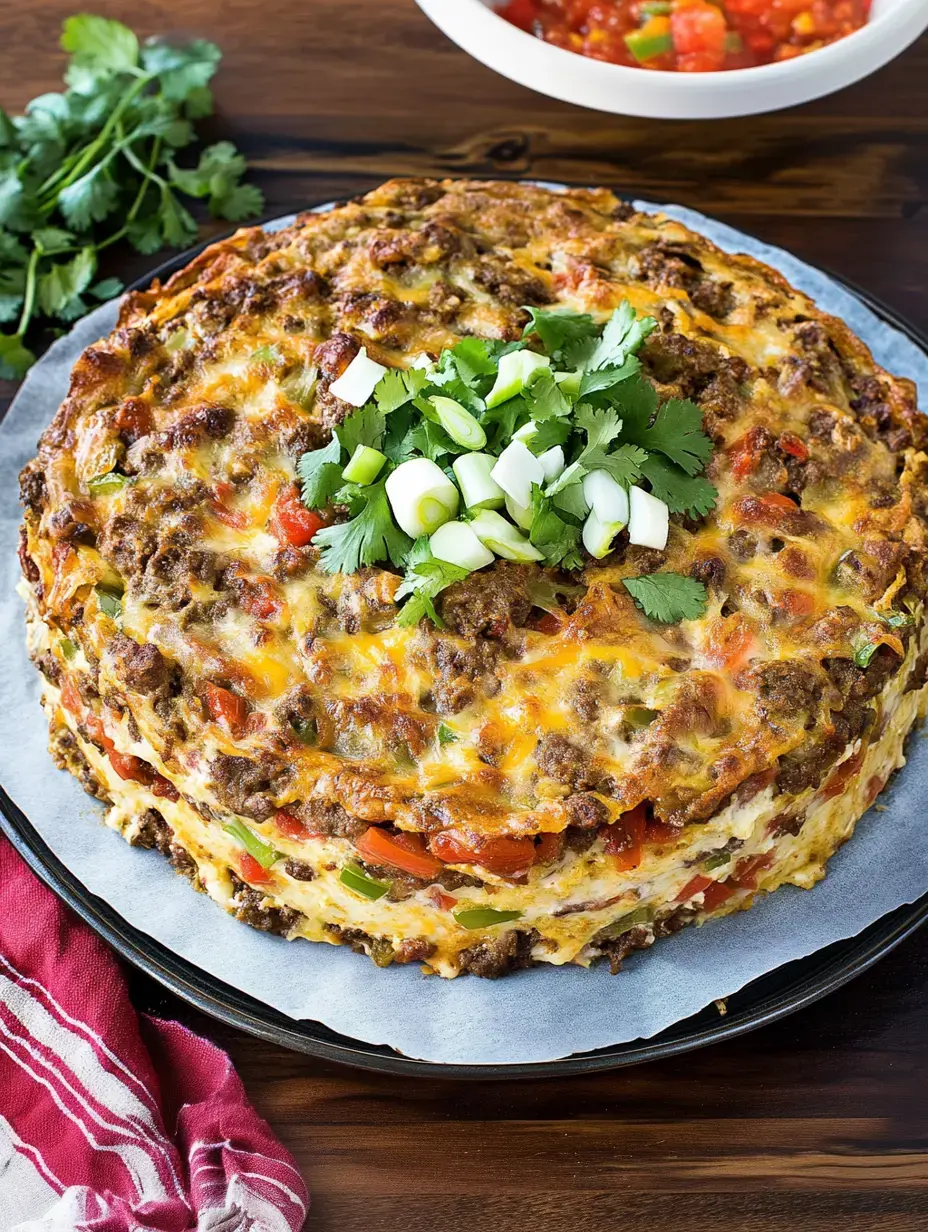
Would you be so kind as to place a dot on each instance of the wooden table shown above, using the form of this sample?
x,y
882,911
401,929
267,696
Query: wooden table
x,y
818,1123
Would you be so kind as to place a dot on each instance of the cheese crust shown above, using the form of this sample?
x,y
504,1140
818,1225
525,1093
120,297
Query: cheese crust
x,y
747,742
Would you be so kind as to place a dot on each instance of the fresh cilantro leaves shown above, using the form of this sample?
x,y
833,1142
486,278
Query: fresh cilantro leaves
x,y
560,329
424,581
674,428
370,536
321,473
667,597
681,493
96,164
557,537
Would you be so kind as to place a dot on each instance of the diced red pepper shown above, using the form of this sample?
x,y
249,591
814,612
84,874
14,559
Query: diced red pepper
x,y
548,848
292,523
164,788
71,698
226,708
406,852
507,857
252,871
624,838
98,734
235,518
694,886
717,893
846,770
790,443
291,826
443,901
745,875
549,623
657,832
133,769
260,597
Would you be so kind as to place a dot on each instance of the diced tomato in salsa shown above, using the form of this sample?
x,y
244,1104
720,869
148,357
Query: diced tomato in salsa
x,y
292,523
689,36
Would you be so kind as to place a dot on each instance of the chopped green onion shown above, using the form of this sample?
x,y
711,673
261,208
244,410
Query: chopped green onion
x,y
646,46
501,537
364,465
606,497
68,648
445,734
352,877
522,515
359,380
300,386
598,536
648,519
516,371
479,489
458,422
421,496
553,462
110,602
104,485
456,544
716,861
516,470
257,848
484,917
641,915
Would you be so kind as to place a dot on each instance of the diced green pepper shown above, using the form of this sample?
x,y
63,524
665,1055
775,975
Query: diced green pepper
x,y
68,648
646,46
352,877
106,485
306,730
445,734
641,915
266,355
863,655
897,620
733,43
257,848
110,602
716,861
656,8
484,917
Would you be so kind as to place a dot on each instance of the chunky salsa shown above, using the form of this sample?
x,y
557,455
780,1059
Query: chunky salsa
x,y
688,36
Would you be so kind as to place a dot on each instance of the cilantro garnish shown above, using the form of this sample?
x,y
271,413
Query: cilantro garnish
x,y
667,597
370,536
97,163
579,406
426,580
674,428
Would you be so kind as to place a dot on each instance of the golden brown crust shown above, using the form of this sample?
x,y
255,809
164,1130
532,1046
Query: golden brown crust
x,y
200,396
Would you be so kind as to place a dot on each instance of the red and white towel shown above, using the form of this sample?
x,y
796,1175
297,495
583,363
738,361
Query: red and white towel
x,y
110,1122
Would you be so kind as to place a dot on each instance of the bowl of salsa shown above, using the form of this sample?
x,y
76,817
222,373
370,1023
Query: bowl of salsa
x,y
682,59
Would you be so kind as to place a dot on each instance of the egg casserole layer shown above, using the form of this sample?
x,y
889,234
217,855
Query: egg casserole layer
x,y
563,789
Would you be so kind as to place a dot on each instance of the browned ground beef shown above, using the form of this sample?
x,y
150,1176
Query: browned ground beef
x,y
492,959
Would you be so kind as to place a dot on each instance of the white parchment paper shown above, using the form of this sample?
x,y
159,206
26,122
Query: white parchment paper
x,y
536,1015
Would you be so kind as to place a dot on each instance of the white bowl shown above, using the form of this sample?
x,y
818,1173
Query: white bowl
x,y
476,28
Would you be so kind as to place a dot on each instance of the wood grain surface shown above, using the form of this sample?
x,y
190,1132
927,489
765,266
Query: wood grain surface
x,y
818,1124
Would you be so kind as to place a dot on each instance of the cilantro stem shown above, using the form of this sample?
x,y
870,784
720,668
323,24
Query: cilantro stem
x,y
139,198
55,182
29,294
147,172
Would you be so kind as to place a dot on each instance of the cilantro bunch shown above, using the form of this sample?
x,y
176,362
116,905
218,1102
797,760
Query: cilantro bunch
x,y
95,164
586,397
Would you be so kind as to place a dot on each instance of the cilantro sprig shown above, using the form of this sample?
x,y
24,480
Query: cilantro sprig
x,y
98,163
585,408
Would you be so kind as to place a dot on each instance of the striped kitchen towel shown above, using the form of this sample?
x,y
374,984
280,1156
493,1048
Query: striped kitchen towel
x,y
111,1122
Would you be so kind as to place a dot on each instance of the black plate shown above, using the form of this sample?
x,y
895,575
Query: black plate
x,y
763,1001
